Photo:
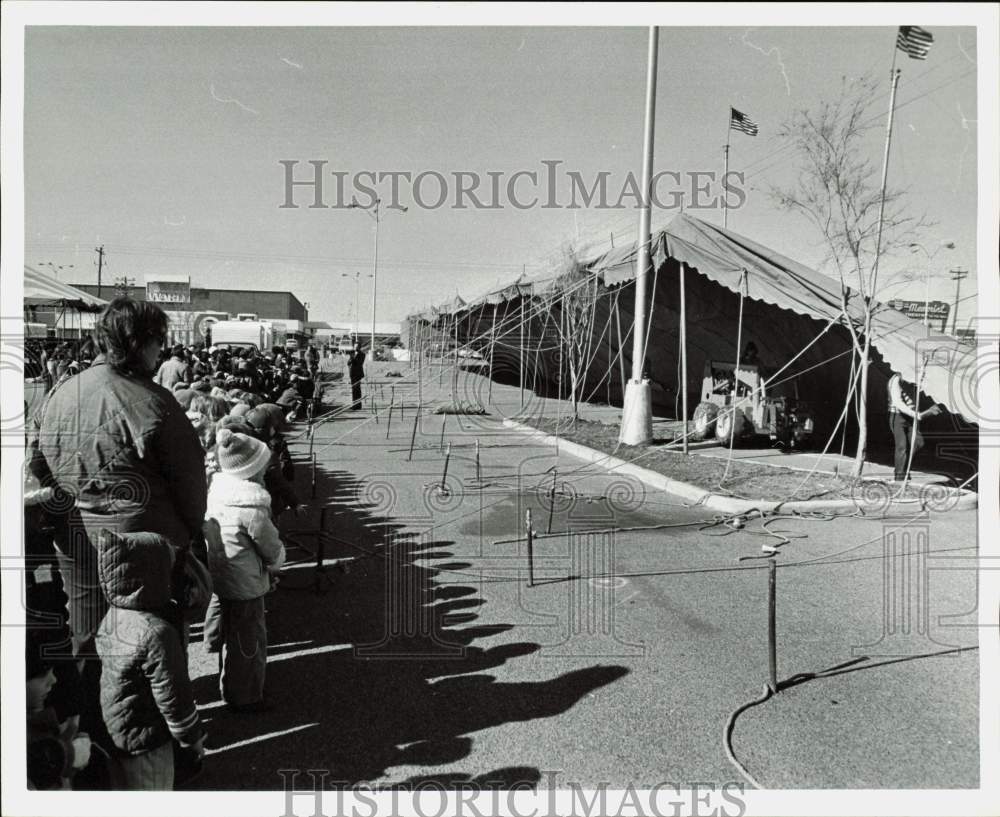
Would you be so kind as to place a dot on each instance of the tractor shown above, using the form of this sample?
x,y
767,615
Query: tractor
x,y
737,404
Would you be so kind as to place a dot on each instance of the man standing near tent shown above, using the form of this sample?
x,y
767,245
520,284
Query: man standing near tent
x,y
903,402
356,371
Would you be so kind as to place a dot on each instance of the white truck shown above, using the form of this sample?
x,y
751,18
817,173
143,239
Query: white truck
x,y
259,335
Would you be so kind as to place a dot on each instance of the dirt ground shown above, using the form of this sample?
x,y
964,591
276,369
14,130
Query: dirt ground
x,y
749,481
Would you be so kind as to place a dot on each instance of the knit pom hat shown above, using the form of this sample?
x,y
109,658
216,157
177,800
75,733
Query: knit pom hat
x,y
240,456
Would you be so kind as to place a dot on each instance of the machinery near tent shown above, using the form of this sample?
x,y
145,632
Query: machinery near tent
x,y
737,404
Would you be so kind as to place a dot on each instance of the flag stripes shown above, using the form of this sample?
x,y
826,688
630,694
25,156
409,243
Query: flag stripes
x,y
914,41
742,122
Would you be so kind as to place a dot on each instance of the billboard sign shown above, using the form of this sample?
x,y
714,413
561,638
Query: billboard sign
x,y
169,292
936,311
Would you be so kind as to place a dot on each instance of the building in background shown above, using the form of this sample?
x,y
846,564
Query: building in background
x,y
342,335
192,310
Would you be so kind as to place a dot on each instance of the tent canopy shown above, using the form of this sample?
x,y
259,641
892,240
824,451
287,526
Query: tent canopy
x,y
945,367
40,288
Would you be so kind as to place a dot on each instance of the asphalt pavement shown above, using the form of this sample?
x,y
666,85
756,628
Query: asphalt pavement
x,y
430,647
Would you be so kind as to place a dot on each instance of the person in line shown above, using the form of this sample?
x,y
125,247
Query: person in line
x,y
244,552
57,750
123,451
903,402
175,369
356,372
146,696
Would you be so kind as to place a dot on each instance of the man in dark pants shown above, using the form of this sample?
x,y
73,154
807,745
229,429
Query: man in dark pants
x,y
356,371
903,402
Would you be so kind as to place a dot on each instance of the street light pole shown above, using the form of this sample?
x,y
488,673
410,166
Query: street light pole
x,y
914,246
957,274
376,213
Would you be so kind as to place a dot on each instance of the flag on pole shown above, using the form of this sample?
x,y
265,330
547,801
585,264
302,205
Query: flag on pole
x,y
742,122
914,41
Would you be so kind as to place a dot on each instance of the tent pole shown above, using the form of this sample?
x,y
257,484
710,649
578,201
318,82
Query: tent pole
x,y
493,343
684,362
621,348
521,352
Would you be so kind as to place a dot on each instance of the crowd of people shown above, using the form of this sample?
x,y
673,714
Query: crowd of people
x,y
154,484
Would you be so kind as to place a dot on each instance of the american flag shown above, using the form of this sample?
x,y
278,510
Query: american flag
x,y
915,41
742,122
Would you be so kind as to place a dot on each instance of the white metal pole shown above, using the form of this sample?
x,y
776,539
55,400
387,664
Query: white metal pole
x,y
378,206
642,259
894,81
684,361
637,415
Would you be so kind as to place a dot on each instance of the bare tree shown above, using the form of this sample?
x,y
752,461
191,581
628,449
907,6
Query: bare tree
x,y
838,189
577,293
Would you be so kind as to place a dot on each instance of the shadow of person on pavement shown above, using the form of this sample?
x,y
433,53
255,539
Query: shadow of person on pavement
x,y
373,673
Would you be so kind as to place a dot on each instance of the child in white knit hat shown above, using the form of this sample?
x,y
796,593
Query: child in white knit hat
x,y
244,549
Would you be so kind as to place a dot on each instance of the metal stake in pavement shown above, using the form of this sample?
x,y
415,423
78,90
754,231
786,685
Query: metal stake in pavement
x,y
443,488
374,407
413,436
444,421
313,476
319,574
531,548
388,424
552,499
772,646
479,478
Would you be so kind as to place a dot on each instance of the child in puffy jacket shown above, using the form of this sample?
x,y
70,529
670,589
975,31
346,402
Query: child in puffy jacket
x,y
244,550
146,695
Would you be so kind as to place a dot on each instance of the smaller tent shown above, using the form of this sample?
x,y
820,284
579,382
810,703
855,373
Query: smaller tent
x,y
71,309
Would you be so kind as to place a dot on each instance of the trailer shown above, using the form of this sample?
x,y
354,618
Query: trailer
x,y
257,335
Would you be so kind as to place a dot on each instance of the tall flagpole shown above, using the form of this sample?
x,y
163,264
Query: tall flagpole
x,y
725,173
637,413
894,81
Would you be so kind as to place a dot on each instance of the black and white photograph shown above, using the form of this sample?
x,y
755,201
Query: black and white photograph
x,y
528,409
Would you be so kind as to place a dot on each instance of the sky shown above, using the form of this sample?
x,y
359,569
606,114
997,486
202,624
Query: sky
x,y
165,145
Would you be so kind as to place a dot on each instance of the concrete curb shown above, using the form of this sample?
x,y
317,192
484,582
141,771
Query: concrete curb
x,y
874,502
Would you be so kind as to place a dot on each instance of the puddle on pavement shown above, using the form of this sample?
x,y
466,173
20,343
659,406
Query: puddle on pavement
x,y
503,518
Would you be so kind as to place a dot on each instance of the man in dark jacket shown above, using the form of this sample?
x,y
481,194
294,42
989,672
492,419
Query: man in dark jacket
x,y
123,451
356,371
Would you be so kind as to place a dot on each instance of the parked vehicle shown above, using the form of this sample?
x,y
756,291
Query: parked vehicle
x,y
257,335
736,410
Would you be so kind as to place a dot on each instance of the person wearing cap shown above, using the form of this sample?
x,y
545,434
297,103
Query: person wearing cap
x,y
174,370
244,551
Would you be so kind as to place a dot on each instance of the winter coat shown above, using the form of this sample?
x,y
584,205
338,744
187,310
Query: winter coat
x,y
123,447
125,454
174,370
146,694
242,541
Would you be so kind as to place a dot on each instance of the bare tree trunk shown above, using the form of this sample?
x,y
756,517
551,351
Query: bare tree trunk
x,y
862,449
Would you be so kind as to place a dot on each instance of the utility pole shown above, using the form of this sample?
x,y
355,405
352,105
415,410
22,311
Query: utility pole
x,y
957,274
100,267
123,284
